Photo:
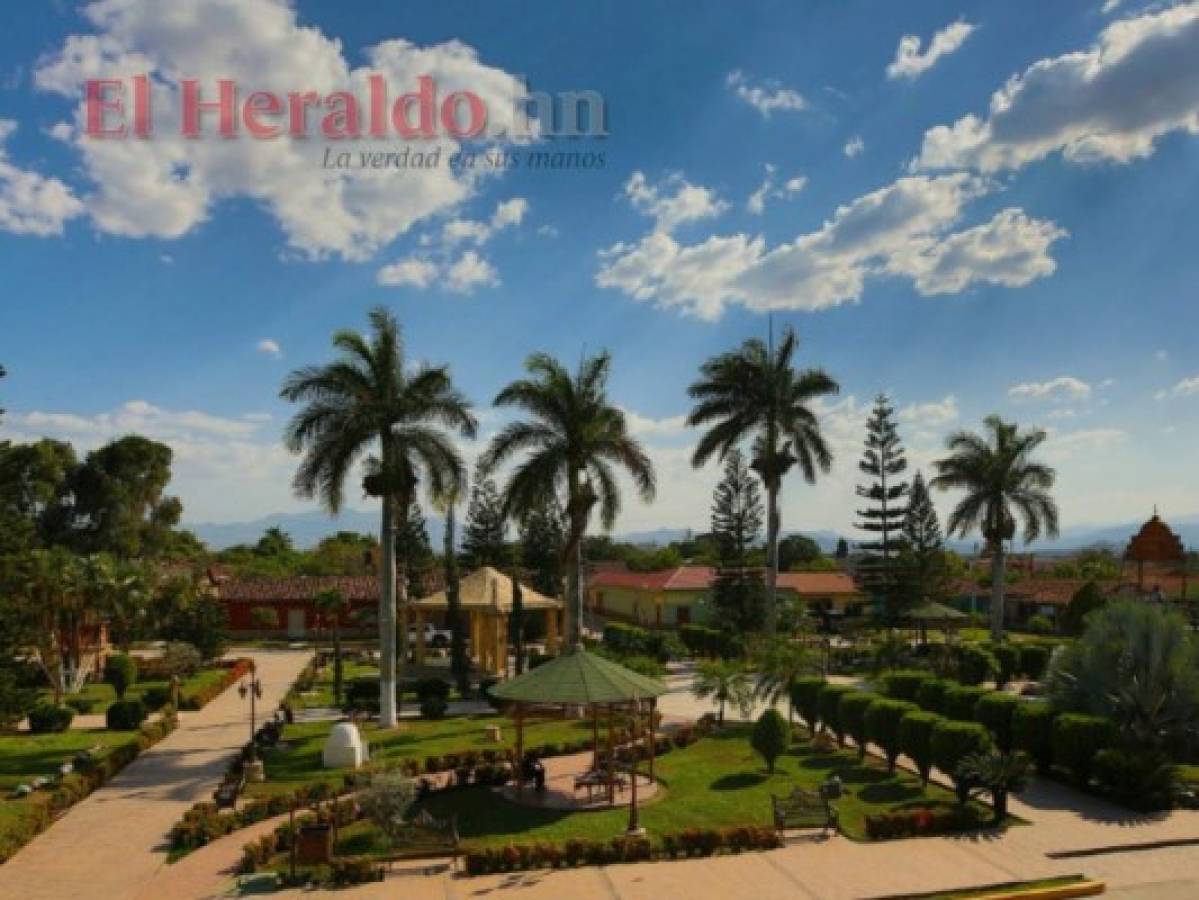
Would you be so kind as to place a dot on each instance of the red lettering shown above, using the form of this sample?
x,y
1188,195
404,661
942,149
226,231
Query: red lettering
x,y
97,104
262,103
476,109
342,120
193,106
423,95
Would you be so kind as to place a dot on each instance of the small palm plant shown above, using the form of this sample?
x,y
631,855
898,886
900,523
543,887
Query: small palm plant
x,y
999,774
781,662
725,682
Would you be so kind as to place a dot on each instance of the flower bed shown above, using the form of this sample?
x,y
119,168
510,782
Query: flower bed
x,y
921,822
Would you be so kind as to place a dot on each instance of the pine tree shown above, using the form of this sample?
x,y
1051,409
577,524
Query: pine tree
x,y
883,461
414,554
738,593
924,572
483,534
542,537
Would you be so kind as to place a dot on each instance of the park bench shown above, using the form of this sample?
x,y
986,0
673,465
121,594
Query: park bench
x,y
802,809
429,838
225,796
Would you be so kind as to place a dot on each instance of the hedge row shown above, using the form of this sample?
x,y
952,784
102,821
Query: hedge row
x,y
204,695
700,640
630,640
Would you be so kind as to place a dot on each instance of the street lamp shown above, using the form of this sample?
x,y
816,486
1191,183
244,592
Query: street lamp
x,y
253,688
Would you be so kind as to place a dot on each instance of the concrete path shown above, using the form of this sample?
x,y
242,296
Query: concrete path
x,y
113,842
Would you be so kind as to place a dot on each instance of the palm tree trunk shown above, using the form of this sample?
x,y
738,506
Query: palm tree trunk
x,y
997,561
574,603
387,616
772,557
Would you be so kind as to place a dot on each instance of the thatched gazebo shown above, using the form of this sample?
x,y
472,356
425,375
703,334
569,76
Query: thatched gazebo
x,y
578,679
930,614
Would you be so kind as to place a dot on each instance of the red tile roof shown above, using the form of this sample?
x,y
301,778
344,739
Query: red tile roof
x,y
818,582
698,578
302,587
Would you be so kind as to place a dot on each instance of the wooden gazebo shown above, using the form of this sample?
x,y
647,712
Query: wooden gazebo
x,y
578,679
930,614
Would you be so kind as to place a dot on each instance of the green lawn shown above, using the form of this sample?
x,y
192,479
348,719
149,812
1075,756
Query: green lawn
x,y
102,695
299,762
24,756
719,781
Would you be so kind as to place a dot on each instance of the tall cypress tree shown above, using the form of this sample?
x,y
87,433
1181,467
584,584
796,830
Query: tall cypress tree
x,y
738,593
883,462
483,534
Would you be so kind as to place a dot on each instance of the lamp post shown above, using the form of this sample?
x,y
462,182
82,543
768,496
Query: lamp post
x,y
253,688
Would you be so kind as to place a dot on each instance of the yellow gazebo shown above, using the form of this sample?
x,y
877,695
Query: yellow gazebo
x,y
486,602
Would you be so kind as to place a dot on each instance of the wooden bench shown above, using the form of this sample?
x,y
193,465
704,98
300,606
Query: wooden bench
x,y
226,795
431,838
802,809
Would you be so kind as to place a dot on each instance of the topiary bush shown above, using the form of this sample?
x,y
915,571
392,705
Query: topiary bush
x,y
883,718
429,687
961,700
904,684
1032,732
916,740
931,695
156,696
954,741
1076,740
853,717
995,710
1034,660
805,697
125,715
975,664
120,670
830,709
433,707
770,737
46,718
1143,780
1007,658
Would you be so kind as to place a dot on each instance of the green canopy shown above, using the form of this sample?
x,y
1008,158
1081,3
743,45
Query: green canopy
x,y
579,678
928,611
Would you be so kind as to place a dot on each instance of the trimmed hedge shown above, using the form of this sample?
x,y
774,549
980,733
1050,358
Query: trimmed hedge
x,y
954,741
1032,732
931,695
976,664
853,716
883,718
904,684
1034,659
125,715
46,718
1007,656
120,670
1076,740
805,697
830,709
960,702
700,640
916,740
995,711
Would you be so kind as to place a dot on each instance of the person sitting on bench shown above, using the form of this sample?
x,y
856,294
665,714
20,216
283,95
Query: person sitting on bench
x,y
535,771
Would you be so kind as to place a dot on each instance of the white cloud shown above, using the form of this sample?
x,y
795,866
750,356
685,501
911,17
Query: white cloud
x,y
934,414
902,229
1109,102
646,427
413,271
1070,444
756,203
910,62
796,184
767,97
31,203
854,146
470,271
508,214
547,231
270,348
1064,387
673,202
167,186
1187,387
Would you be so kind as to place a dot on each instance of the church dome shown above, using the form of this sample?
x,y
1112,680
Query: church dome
x,y
1155,542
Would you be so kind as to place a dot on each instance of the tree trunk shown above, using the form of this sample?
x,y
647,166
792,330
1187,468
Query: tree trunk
x,y
459,662
772,557
387,616
574,603
517,622
336,660
997,560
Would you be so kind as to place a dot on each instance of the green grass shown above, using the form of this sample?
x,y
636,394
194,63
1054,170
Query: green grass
x,y
299,763
717,782
24,756
102,695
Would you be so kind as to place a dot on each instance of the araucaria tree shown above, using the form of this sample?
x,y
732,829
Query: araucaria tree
x,y
923,569
542,537
738,593
370,401
755,393
570,446
1002,483
483,533
885,492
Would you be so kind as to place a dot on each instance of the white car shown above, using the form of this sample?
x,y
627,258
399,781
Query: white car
x,y
435,636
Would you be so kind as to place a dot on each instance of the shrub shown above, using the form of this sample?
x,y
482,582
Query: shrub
x,y
883,717
347,870
995,710
81,705
961,700
46,717
771,736
931,695
1007,657
429,687
156,696
1076,740
125,715
975,664
904,684
920,822
1032,732
433,708
830,709
853,716
120,670
1034,659
954,741
1143,780
179,658
916,740
1039,624
805,697
362,694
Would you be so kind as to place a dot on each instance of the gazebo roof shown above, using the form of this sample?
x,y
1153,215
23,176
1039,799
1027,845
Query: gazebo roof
x,y
488,588
579,678
928,611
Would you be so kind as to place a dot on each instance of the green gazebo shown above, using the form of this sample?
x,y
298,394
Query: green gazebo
x,y
581,679
930,614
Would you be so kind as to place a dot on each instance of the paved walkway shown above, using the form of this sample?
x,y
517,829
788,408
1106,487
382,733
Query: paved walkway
x,y
113,842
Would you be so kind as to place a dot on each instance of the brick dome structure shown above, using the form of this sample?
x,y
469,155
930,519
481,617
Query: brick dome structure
x,y
1154,543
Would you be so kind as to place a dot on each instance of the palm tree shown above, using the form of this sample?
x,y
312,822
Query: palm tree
x,y
781,662
755,393
369,400
572,445
725,682
1002,483
332,606
459,660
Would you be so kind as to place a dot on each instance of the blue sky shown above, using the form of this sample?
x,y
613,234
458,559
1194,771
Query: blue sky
x,y
1031,254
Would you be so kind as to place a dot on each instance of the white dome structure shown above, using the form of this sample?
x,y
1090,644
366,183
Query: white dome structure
x,y
344,748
